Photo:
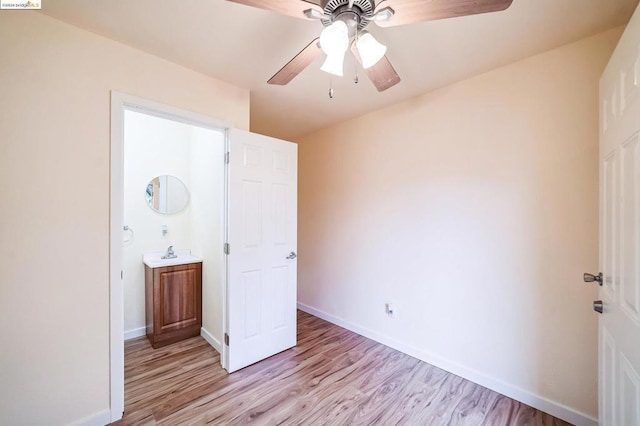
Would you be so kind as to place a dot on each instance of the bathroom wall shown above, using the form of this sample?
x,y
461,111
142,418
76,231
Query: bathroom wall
x,y
153,147
207,236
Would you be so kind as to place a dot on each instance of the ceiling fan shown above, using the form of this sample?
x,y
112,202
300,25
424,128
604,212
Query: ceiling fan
x,y
344,28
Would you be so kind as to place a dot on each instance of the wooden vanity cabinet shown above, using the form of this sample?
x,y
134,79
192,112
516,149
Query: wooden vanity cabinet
x,y
173,303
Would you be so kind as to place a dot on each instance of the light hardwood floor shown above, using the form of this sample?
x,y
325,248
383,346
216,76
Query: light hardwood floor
x,y
332,377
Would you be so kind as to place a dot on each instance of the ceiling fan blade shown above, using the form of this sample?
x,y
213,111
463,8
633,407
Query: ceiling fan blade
x,y
293,8
410,11
382,74
297,64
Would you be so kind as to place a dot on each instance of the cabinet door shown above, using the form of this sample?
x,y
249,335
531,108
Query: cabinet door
x,y
178,298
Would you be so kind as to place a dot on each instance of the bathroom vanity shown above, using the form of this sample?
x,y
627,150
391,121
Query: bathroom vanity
x,y
173,293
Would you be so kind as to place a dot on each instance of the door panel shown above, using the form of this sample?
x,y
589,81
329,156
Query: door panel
x,y
280,285
261,292
630,393
629,231
252,213
252,295
609,237
608,386
619,324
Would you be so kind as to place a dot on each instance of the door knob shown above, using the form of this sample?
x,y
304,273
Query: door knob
x,y
597,306
589,278
292,255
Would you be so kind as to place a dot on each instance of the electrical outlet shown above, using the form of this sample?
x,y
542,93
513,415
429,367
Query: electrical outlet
x,y
390,309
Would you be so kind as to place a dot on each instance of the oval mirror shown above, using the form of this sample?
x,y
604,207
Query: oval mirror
x,y
166,194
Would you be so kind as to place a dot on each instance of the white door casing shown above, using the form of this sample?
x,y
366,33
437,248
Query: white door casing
x,y
119,103
619,324
262,234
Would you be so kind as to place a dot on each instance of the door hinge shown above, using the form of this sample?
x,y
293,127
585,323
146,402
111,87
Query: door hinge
x,y
121,275
226,158
226,339
227,248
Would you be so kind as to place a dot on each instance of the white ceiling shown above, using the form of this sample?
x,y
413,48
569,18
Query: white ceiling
x,y
246,46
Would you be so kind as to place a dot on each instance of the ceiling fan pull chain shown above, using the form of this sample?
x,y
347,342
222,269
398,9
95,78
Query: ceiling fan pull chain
x,y
355,78
330,88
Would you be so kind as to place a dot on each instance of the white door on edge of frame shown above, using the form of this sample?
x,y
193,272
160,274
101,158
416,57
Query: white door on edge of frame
x,y
619,304
262,236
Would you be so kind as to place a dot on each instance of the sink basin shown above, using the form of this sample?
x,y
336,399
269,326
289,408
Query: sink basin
x,y
154,259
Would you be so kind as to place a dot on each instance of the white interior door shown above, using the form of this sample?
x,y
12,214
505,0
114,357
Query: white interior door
x,y
619,323
262,265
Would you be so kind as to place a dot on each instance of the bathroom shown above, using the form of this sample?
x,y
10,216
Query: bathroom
x,y
187,216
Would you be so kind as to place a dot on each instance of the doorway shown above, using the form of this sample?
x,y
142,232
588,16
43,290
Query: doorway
x,y
173,198
152,143
258,271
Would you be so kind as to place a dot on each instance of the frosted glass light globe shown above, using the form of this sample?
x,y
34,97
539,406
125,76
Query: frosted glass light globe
x,y
334,42
370,50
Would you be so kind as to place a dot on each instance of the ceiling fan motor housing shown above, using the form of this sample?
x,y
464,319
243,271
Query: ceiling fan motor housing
x,y
359,14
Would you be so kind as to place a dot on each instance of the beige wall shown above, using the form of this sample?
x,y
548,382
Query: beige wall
x,y
54,222
474,209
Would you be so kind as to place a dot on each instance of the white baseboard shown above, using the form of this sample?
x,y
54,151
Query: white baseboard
x,y
215,343
98,419
543,404
136,332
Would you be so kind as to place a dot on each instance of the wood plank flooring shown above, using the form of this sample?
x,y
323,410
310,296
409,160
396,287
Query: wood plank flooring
x,y
332,377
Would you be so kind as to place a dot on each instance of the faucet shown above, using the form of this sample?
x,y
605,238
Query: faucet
x,y
169,254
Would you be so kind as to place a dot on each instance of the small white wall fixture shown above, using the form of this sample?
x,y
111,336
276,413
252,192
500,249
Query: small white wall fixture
x,y
119,103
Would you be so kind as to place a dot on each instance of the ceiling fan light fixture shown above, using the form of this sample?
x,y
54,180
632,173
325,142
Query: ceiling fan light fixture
x,y
334,64
334,41
335,38
370,49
